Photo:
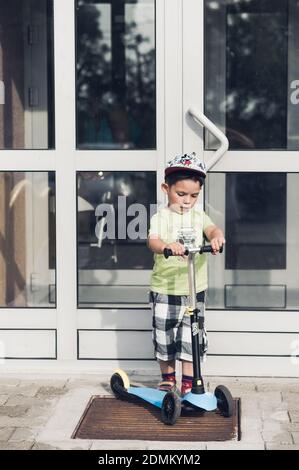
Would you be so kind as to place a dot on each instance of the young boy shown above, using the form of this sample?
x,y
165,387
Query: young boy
x,y
184,178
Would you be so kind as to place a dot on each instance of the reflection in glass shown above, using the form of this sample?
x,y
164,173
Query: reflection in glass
x,y
116,84
27,231
26,74
114,210
260,214
251,67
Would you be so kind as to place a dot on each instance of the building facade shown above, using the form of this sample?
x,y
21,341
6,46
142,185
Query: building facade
x,y
94,99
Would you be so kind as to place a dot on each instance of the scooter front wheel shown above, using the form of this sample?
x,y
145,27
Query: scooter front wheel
x,y
119,384
225,402
171,408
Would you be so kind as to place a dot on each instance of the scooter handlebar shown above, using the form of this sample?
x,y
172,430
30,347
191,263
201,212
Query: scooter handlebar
x,y
209,249
168,252
204,249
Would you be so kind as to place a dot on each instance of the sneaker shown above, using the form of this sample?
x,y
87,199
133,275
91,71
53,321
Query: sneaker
x,y
167,386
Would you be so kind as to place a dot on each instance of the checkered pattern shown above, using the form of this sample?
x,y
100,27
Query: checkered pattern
x,y
171,326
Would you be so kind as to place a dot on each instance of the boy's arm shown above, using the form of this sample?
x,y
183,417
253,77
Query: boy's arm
x,y
215,236
156,244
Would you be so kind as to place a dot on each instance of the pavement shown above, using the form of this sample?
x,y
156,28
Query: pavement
x,y
41,411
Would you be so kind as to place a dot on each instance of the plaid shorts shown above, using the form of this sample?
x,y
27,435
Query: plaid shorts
x,y
171,326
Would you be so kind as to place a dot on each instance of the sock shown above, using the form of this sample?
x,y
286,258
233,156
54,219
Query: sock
x,y
170,377
187,381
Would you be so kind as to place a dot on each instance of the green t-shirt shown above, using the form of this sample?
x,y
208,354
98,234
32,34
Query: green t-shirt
x,y
170,276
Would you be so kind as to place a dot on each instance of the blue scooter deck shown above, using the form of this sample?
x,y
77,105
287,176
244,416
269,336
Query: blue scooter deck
x,y
206,401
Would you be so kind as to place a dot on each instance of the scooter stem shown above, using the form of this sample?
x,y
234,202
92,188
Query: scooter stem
x,y
197,384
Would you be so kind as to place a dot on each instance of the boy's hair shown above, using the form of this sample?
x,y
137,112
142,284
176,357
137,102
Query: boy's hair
x,y
184,175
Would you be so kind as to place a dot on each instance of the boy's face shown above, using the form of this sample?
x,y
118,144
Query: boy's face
x,y
182,195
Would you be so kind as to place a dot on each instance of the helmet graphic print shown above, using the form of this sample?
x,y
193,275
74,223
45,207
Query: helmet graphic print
x,y
186,162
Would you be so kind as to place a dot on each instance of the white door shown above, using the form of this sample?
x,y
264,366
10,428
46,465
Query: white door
x,y
241,70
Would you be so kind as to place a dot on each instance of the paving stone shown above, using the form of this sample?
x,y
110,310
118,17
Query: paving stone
x,y
116,445
277,385
51,382
23,422
78,383
68,444
3,399
50,391
292,399
178,446
295,437
250,434
23,434
272,426
293,389
235,445
249,422
294,416
271,446
40,412
281,415
25,445
5,433
279,438
270,412
9,382
28,401
291,427
28,390
268,400
13,411
40,446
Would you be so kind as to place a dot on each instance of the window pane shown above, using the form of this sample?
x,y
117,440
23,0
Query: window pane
x,y
26,74
116,76
259,267
28,244
256,205
251,82
114,210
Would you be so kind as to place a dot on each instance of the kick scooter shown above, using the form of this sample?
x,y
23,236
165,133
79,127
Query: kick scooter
x,y
169,402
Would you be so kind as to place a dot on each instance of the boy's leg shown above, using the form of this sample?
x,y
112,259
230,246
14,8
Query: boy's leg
x,y
167,367
187,377
187,368
168,381
165,321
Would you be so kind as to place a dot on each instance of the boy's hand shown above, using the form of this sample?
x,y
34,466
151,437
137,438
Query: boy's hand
x,y
216,244
177,248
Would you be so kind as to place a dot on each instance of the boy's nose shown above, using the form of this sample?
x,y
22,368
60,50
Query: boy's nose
x,y
187,200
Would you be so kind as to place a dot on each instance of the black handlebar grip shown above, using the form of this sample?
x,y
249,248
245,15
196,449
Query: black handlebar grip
x,y
168,252
209,249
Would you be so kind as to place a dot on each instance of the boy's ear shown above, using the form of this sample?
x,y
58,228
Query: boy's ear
x,y
165,188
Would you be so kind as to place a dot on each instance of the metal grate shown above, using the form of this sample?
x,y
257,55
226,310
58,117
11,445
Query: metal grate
x,y
105,417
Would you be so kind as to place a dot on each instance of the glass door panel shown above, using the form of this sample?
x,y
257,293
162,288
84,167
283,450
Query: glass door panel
x,y
251,72
116,74
259,268
114,263
26,74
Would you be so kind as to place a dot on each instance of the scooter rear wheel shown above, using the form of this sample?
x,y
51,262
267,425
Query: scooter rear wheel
x,y
119,384
171,408
225,402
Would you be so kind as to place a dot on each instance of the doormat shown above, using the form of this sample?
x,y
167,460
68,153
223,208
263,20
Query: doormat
x,y
106,417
